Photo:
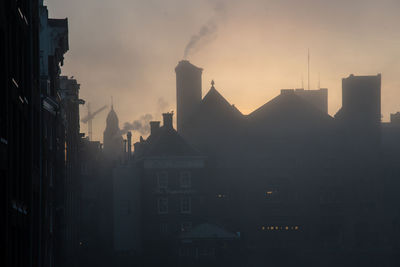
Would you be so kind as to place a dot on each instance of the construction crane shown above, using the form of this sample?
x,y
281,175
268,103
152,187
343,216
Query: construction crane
x,y
89,118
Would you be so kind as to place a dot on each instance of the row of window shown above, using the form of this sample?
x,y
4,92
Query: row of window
x,y
280,228
185,179
185,205
182,227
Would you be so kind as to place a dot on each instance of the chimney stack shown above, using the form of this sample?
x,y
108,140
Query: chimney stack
x,y
188,92
129,137
168,120
154,126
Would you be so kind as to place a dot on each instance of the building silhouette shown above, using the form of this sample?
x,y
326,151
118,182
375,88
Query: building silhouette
x,y
112,139
310,183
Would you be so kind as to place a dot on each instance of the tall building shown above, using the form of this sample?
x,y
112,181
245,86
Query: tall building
x,y
68,181
112,139
20,162
360,114
188,92
54,44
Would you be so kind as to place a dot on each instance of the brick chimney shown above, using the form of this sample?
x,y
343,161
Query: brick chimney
x,y
154,126
188,92
168,120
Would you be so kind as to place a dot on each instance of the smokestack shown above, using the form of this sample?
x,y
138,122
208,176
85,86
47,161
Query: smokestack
x,y
124,155
129,137
154,126
168,120
188,91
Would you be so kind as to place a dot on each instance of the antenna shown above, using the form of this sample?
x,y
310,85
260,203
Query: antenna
x,y
319,81
308,69
112,105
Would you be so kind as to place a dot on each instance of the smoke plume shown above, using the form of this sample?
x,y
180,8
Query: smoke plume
x,y
162,106
142,125
207,32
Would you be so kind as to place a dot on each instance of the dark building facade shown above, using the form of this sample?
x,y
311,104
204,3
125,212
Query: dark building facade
x,y
314,186
19,132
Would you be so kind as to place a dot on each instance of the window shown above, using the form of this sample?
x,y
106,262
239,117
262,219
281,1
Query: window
x,y
186,205
163,228
186,226
272,194
186,179
162,180
220,195
162,204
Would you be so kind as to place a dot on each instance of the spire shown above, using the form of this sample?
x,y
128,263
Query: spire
x,y
112,105
212,84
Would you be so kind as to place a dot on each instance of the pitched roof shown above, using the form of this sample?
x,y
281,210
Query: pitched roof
x,y
167,142
216,102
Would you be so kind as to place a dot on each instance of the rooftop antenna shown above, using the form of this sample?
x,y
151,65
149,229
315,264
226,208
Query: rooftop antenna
x,y
112,105
319,81
308,69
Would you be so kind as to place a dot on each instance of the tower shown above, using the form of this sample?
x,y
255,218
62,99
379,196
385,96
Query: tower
x,y
112,138
188,91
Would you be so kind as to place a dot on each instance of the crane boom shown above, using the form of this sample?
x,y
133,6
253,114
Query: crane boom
x,y
90,116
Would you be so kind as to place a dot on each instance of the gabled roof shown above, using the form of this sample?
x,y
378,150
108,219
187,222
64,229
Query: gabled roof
x,y
213,111
217,103
209,231
167,142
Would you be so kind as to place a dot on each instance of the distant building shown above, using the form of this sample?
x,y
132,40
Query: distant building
x,y
127,211
112,139
319,98
395,118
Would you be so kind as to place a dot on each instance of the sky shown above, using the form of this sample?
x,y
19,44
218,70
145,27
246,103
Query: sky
x,y
128,49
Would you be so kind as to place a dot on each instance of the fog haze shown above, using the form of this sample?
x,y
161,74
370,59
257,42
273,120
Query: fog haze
x,y
129,49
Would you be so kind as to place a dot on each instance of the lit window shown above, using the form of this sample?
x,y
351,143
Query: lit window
x,y
162,180
186,179
263,228
220,195
186,205
162,204
272,194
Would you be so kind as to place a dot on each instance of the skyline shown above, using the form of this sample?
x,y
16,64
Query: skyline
x,y
262,45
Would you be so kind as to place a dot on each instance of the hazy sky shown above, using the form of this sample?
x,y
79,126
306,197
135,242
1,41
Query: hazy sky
x,y
129,49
